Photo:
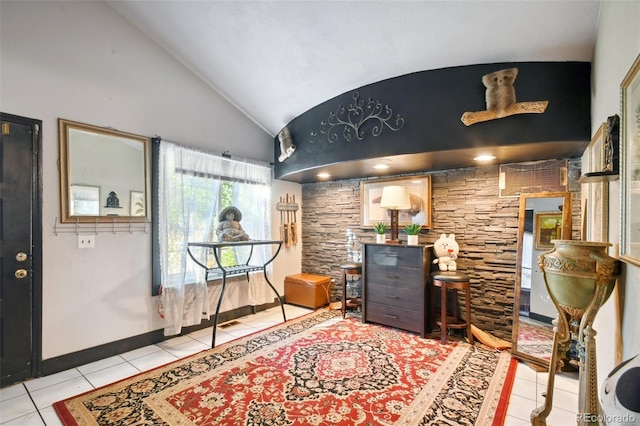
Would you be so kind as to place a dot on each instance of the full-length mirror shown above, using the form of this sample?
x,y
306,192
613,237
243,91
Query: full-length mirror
x,y
104,174
542,217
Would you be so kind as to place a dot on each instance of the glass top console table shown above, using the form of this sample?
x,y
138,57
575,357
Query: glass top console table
x,y
217,271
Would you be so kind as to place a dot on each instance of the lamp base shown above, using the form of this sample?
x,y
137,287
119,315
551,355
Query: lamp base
x,y
394,227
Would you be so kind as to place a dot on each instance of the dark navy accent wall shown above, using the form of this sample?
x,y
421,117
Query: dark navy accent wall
x,y
432,103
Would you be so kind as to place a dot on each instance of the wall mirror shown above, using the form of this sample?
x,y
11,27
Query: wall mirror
x,y
104,174
542,217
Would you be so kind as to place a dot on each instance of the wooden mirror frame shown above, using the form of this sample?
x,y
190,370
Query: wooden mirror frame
x,y
566,235
137,191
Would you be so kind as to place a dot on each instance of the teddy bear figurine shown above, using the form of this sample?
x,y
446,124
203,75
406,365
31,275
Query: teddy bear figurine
x,y
446,249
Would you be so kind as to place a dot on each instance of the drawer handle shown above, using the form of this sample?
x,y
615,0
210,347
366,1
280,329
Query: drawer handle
x,y
390,255
392,297
393,276
390,316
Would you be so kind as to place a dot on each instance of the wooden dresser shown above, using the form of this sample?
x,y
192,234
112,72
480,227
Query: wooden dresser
x,y
395,286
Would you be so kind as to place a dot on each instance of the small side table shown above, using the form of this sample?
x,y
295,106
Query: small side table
x,y
352,268
222,272
453,280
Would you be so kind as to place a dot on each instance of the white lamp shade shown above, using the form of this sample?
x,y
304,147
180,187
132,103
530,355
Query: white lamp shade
x,y
395,198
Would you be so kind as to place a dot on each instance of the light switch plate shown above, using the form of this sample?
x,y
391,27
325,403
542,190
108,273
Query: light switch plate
x,y
86,241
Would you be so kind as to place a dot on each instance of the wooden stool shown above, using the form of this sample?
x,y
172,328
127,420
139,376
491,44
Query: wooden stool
x,y
352,268
453,280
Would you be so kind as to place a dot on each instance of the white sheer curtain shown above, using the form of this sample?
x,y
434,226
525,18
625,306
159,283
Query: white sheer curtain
x,y
190,198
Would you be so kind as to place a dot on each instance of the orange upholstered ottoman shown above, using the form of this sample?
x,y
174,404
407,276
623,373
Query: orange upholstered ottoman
x,y
311,291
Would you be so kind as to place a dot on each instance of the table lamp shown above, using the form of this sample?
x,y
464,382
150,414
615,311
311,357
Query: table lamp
x,y
395,198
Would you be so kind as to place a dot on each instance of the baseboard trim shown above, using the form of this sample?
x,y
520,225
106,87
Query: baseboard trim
x,y
541,318
85,356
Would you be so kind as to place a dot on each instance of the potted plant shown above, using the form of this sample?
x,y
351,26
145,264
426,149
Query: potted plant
x,y
412,231
380,229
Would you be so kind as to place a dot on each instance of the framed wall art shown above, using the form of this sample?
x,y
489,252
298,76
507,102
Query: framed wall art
x,y
420,194
547,227
596,209
596,149
630,165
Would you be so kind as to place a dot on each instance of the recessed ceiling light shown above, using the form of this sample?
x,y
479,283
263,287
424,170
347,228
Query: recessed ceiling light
x,y
485,157
381,166
323,175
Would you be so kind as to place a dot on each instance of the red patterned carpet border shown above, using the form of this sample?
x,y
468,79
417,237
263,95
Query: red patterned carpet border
x,y
315,370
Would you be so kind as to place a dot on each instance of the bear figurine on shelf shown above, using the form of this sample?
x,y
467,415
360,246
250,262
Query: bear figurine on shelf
x,y
446,249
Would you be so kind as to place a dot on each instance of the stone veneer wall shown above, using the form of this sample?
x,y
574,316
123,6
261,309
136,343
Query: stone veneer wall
x,y
465,202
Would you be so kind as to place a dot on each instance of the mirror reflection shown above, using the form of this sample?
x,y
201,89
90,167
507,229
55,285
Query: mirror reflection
x,y
103,174
542,217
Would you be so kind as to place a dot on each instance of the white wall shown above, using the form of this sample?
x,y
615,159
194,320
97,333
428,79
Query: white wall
x,y
289,260
617,46
82,61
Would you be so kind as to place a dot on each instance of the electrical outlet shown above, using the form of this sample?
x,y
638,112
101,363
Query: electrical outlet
x,y
86,241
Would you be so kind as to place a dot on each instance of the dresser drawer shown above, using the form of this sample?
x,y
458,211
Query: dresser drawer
x,y
401,297
393,256
397,276
404,319
395,292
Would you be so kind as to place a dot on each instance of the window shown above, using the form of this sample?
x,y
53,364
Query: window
x,y
193,187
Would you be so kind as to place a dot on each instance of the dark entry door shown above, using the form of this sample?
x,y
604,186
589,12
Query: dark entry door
x,y
20,249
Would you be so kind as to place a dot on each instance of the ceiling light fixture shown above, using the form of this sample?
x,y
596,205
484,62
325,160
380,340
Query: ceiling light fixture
x,y
382,164
485,157
323,175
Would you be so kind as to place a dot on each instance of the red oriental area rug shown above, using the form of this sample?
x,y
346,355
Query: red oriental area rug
x,y
536,340
314,370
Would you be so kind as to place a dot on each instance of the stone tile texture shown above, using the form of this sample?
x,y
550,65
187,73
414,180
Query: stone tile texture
x,y
465,202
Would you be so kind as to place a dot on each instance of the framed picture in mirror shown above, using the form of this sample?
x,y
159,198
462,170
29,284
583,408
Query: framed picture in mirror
x,y
136,203
548,226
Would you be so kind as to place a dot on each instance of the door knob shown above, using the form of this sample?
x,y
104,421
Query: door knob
x,y
21,273
21,257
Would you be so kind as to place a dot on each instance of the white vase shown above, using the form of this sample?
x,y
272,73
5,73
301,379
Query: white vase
x,y
412,240
381,238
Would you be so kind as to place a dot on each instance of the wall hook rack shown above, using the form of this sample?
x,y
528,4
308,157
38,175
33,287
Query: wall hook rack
x,y
95,227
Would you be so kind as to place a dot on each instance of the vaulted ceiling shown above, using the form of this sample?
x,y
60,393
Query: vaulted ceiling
x,y
274,60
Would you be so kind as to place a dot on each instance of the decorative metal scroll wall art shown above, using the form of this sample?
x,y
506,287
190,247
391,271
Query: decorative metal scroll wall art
x,y
351,120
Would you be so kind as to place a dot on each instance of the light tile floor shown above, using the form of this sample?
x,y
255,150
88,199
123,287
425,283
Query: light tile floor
x,y
30,403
